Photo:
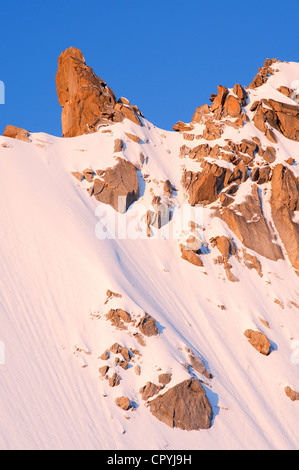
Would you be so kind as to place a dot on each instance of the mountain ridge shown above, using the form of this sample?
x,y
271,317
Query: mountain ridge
x,y
205,281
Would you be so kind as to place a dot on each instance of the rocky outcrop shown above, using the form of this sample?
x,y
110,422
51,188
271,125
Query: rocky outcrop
x,y
281,116
202,188
118,187
16,133
184,406
118,317
85,98
199,366
284,201
263,74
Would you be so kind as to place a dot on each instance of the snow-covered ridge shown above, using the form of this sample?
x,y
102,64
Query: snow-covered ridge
x,y
56,271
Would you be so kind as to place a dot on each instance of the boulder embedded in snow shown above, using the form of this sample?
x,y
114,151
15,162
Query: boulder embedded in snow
x,y
191,256
291,394
118,317
184,406
164,379
148,326
259,341
114,380
123,402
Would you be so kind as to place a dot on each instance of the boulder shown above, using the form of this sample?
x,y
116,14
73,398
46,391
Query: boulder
x,y
130,112
225,245
118,317
123,402
114,380
191,256
167,188
164,379
103,370
78,175
259,341
133,137
182,127
232,106
148,326
119,186
269,155
285,91
241,94
291,394
184,406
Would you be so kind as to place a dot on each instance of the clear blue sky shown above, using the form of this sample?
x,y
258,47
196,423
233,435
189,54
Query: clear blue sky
x,y
166,56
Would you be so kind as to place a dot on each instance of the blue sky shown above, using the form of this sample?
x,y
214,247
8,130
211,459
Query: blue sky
x,y
165,56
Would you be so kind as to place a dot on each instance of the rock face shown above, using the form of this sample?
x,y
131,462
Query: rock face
x,y
118,187
284,201
85,98
247,221
201,187
281,116
184,406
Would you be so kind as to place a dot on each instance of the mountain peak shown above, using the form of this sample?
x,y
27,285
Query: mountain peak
x,y
86,99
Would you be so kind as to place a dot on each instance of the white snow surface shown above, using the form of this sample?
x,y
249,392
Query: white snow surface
x,y
55,272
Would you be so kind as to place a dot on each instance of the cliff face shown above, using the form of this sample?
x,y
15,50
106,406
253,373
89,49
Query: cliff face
x,y
85,98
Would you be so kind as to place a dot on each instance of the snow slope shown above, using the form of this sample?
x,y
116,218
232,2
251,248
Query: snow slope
x,y
55,272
